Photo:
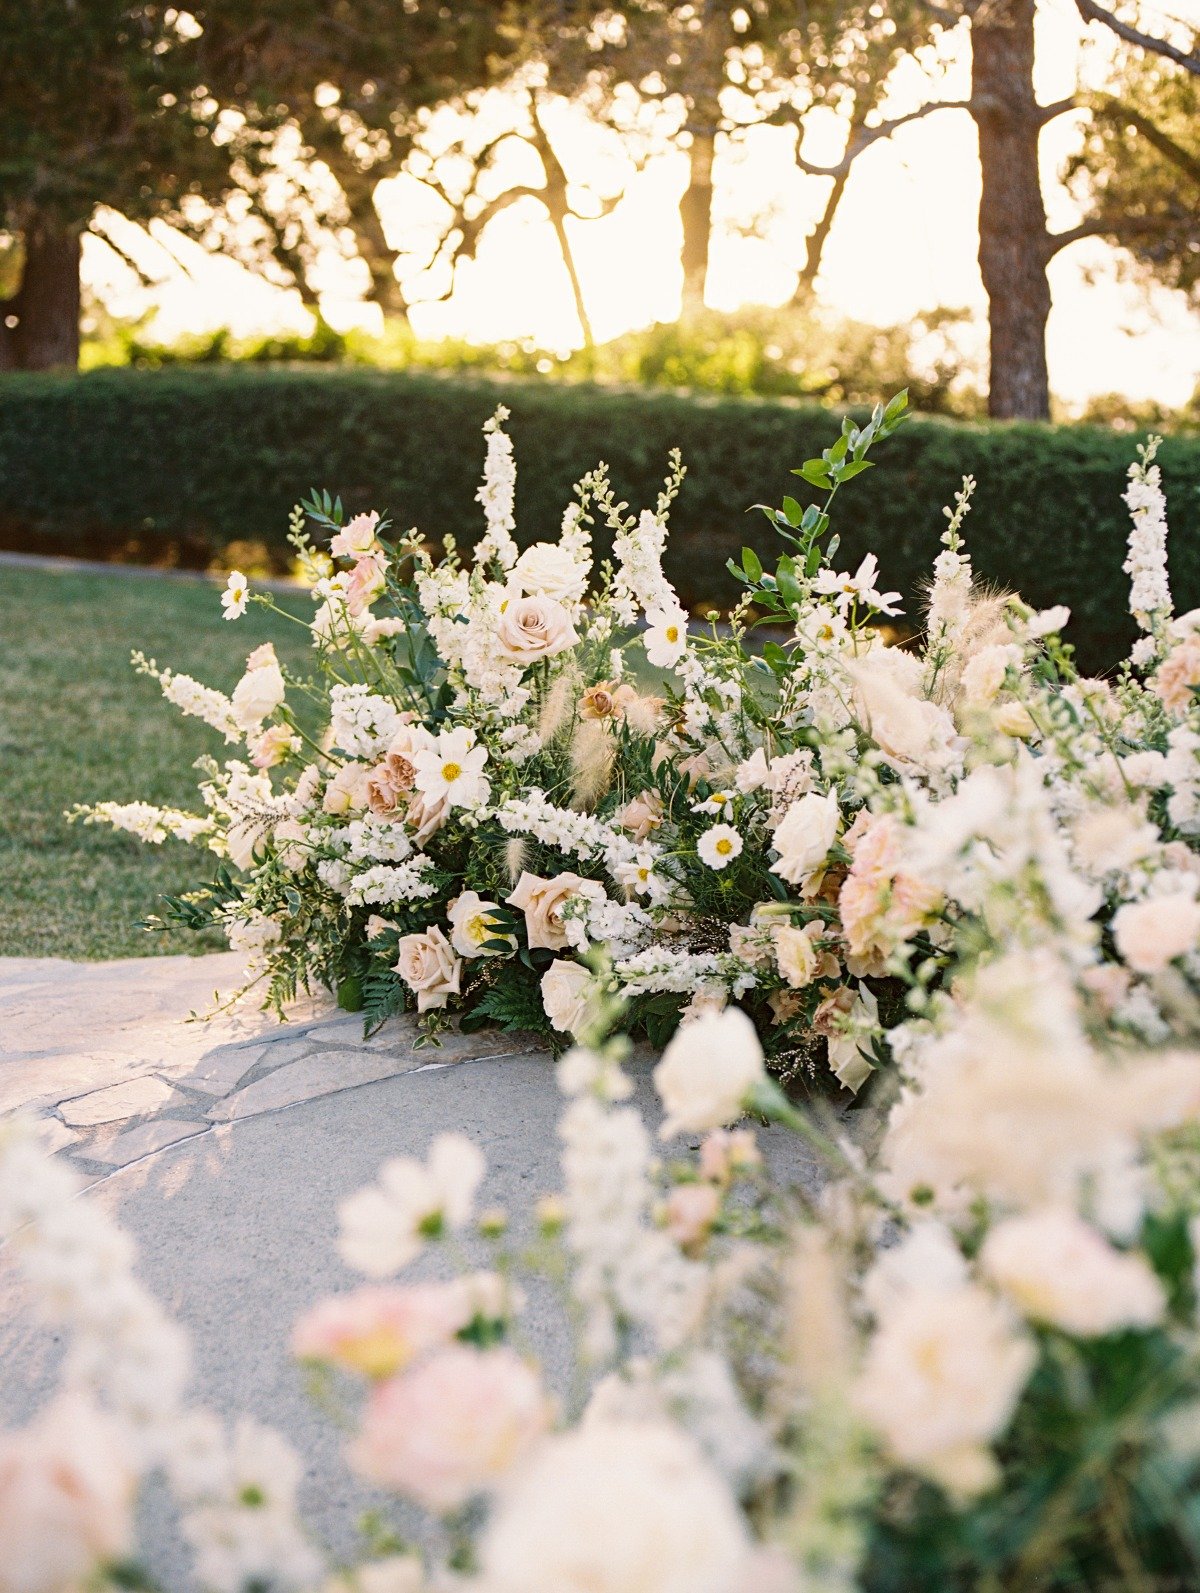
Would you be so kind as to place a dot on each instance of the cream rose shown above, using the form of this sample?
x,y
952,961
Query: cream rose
x,y
347,792
1152,933
546,570
427,815
534,627
565,989
708,1071
805,834
428,965
796,954
542,901
257,695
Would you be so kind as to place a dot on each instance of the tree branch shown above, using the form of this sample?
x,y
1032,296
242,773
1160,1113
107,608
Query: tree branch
x,y
1117,228
1091,12
1153,134
864,139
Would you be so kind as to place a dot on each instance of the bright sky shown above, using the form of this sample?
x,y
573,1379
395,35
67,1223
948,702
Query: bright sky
x,y
904,242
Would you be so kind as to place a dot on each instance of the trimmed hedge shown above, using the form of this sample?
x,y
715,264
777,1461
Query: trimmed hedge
x,y
197,459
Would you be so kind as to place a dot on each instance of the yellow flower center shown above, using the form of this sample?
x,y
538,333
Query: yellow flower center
x,y
451,771
724,846
672,633
479,929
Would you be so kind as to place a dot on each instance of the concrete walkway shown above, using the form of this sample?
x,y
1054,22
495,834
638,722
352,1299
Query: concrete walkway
x,y
224,1151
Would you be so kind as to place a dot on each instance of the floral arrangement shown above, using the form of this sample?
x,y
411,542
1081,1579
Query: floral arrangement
x,y
494,770
971,1360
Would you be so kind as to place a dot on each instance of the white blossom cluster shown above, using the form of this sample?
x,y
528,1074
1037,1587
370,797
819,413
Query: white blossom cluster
x,y
497,494
1146,564
361,723
384,886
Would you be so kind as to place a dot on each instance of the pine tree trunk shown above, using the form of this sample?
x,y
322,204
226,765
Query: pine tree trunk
x,y
45,308
1013,243
695,212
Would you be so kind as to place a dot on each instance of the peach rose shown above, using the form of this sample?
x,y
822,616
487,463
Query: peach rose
x,y
368,580
642,815
426,815
798,957
1178,673
273,746
689,1214
542,901
428,965
534,627
379,1331
452,1426
1150,934
605,701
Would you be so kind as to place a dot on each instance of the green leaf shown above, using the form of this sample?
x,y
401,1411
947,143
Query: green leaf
x,y
751,563
775,656
793,512
815,472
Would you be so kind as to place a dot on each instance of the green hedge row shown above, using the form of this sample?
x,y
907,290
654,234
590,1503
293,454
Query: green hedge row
x,y
201,458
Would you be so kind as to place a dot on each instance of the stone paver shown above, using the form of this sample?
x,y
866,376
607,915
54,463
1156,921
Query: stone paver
x,y
145,1140
118,1102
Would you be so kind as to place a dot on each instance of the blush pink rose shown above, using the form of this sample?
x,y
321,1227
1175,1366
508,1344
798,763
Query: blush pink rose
x,y
452,1426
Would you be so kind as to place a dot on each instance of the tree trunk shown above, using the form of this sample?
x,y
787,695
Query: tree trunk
x,y
44,311
695,212
1013,239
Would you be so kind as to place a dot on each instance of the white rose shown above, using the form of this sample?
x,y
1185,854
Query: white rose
x,y
805,834
983,675
472,923
530,628
613,1506
1152,933
708,1071
428,965
941,1379
565,989
1056,1268
547,570
907,727
257,695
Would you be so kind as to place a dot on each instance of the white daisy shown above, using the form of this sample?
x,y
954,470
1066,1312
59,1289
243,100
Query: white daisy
x,y
665,637
235,596
452,769
719,845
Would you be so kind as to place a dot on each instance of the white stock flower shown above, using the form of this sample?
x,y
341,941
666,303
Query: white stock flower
x,y
452,769
384,1226
719,845
805,834
616,1507
1056,1268
708,1071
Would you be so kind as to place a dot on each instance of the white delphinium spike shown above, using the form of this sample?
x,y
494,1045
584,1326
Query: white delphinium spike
x,y
497,494
192,698
950,594
1146,565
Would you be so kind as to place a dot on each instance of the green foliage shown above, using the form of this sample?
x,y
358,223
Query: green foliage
x,y
514,1004
194,459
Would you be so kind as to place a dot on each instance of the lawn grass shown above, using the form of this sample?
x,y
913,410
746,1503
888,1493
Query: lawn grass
x,y
77,725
